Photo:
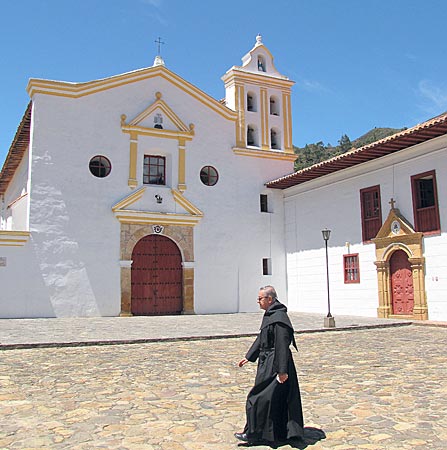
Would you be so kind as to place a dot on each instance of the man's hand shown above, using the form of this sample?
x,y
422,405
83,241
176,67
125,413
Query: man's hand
x,y
242,362
282,377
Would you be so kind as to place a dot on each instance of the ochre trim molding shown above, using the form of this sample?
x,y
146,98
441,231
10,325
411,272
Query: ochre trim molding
x,y
263,79
287,117
127,201
13,238
146,217
76,90
241,132
265,144
190,218
186,204
268,154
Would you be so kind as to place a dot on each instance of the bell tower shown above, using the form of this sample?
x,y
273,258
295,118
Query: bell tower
x,y
261,97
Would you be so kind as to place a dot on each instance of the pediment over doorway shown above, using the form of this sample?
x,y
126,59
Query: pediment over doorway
x,y
397,232
141,207
400,268
395,225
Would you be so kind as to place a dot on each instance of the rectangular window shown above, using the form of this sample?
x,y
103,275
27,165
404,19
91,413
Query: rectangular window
x,y
425,202
371,212
351,268
266,266
154,170
264,203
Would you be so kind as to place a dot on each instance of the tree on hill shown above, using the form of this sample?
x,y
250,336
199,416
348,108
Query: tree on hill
x,y
312,154
344,144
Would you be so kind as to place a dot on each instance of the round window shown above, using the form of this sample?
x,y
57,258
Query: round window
x,y
209,176
100,166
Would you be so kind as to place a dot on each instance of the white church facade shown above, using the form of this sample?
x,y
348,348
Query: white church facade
x,y
139,194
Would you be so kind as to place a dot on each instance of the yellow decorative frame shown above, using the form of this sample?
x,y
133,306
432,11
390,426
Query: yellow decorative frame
x,y
134,129
13,238
410,242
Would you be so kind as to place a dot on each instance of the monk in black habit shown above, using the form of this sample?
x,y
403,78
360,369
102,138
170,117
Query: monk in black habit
x,y
273,407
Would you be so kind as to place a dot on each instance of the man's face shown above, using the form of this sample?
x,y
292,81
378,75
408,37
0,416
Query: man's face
x,y
264,300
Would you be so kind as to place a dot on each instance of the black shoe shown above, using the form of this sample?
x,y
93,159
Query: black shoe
x,y
241,436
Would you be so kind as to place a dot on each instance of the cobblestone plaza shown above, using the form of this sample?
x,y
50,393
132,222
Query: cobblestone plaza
x,y
379,388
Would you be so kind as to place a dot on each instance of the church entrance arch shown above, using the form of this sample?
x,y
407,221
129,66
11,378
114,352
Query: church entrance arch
x,y
156,277
402,291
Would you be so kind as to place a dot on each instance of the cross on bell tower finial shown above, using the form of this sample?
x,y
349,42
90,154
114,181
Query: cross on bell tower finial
x,y
392,202
159,42
158,59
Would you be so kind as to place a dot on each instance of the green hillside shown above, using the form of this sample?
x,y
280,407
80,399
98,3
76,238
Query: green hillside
x,y
314,153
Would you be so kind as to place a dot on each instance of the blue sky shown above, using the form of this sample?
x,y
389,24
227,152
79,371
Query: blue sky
x,y
357,64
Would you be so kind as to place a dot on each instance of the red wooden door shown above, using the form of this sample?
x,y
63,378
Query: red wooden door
x,y
401,284
156,277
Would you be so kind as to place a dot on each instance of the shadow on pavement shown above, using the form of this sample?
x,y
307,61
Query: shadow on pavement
x,y
311,437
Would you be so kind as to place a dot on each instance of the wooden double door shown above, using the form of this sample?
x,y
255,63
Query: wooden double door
x,y
402,290
156,277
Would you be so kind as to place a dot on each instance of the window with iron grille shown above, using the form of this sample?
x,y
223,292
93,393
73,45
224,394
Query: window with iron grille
x,y
351,268
371,212
425,202
154,170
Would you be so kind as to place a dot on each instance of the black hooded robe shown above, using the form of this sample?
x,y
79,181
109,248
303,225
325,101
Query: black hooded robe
x,y
274,411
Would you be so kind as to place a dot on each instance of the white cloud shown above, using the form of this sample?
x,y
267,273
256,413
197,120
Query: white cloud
x,y
156,3
312,86
434,96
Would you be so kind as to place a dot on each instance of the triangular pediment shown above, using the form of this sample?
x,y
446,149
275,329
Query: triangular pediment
x,y
142,206
160,120
395,225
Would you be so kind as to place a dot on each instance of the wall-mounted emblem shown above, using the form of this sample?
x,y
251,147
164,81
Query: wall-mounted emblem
x,y
395,227
158,229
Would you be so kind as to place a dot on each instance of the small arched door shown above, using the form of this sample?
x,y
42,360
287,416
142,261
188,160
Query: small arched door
x,y
156,277
402,291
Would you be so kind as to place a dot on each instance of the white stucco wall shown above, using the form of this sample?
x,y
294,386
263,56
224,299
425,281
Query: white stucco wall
x,y
15,204
73,257
333,201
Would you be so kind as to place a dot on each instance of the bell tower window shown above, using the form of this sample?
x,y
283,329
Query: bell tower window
x,y
274,106
261,63
251,102
252,136
275,139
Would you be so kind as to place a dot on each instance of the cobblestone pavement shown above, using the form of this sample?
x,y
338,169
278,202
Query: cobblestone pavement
x,y
72,331
383,388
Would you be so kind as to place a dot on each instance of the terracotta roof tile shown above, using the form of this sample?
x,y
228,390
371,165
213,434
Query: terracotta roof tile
x,y
17,150
425,131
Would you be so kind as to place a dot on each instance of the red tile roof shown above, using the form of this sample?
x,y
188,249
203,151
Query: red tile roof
x,y
16,151
420,133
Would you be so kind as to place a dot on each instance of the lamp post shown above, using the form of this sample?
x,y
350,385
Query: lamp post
x,y
329,321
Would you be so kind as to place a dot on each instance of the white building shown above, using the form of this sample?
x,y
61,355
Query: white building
x,y
386,207
140,194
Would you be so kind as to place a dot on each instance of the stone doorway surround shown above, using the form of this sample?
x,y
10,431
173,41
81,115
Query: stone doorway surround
x,y
181,235
397,234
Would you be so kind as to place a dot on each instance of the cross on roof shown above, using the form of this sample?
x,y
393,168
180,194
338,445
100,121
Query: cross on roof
x,y
159,42
392,202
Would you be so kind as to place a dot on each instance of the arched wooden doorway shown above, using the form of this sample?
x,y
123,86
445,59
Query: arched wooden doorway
x,y
156,277
402,291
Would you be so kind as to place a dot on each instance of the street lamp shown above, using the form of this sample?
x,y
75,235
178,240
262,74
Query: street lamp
x,y
329,321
